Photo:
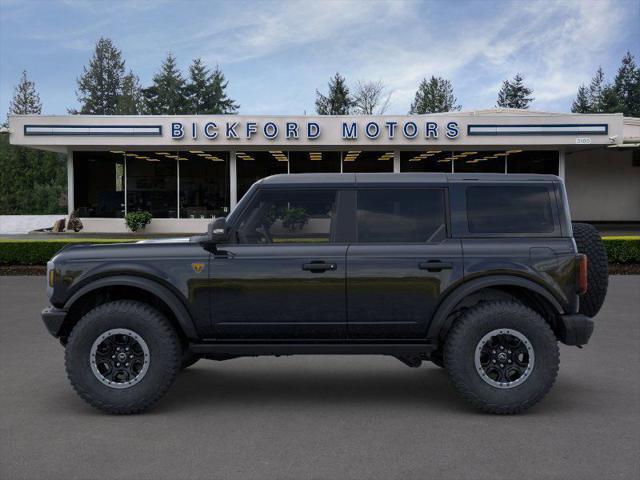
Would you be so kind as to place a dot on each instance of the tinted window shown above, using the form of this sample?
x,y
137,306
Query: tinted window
x,y
509,209
289,217
400,215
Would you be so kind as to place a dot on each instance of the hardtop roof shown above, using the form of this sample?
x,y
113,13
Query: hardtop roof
x,y
396,179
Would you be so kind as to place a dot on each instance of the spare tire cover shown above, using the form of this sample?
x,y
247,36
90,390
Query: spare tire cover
x,y
589,243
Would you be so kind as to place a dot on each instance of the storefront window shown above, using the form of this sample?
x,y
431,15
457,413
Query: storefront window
x,y
204,184
99,183
152,183
314,162
362,161
426,161
533,161
252,166
471,161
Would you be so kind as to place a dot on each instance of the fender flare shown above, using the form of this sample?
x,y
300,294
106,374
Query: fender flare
x,y
440,322
165,295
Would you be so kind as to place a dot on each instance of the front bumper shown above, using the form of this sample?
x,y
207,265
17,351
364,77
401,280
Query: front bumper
x,y
53,319
575,329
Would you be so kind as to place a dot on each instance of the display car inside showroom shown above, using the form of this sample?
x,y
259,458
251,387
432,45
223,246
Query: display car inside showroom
x,y
186,170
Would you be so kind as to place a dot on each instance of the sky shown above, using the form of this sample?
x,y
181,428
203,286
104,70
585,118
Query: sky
x,y
275,54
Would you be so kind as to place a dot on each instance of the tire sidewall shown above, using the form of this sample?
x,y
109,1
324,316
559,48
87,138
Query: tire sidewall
x,y
461,364
134,316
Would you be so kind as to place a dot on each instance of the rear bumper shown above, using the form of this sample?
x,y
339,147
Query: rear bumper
x,y
575,329
53,319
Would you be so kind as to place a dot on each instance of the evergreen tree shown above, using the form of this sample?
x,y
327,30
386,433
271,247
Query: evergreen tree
x,y
581,104
25,99
596,91
627,86
167,95
433,96
130,101
100,85
514,94
219,102
31,181
206,91
338,101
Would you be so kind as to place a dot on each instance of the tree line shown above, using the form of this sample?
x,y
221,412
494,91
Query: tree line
x,y
33,181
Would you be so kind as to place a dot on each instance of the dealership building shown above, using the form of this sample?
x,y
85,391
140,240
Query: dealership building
x,y
186,170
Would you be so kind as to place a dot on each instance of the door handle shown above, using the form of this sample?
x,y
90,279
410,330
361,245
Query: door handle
x,y
318,267
435,266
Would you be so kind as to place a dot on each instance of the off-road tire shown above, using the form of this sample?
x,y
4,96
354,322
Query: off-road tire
x,y
462,341
165,356
188,359
589,242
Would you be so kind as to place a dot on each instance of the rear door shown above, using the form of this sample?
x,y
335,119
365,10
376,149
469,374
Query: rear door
x,y
401,261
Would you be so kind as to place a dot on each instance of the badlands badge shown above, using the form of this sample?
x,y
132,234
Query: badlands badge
x,y
197,267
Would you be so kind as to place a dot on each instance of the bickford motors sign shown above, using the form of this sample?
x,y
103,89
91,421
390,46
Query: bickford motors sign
x,y
295,130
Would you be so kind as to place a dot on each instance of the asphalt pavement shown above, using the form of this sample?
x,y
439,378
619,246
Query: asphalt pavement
x,y
319,417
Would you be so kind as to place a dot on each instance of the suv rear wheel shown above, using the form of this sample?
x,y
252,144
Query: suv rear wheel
x,y
502,357
122,356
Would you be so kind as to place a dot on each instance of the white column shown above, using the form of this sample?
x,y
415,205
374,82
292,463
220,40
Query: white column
x,y
561,164
70,189
233,179
177,188
396,161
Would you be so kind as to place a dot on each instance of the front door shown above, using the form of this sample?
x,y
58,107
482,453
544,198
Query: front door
x,y
285,276
401,262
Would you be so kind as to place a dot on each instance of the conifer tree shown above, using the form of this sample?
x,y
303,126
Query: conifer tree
x,y
167,95
581,104
130,101
434,95
514,94
338,100
627,86
100,85
206,92
25,99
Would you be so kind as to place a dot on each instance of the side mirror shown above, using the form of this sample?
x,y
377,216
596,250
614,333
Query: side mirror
x,y
217,230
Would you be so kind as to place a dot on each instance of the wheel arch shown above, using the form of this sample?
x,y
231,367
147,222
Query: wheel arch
x,y
134,288
522,289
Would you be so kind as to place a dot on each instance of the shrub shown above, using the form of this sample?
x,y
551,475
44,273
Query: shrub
x,y
137,220
74,222
39,252
622,249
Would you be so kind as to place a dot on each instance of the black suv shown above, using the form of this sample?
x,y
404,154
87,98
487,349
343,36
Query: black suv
x,y
479,274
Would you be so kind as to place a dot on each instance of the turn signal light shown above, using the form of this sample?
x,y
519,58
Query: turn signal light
x,y
583,280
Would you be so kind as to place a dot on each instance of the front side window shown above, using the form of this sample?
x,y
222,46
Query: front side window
x,y
509,209
289,217
401,216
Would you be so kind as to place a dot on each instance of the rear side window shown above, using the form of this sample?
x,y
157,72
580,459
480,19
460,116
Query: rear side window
x,y
509,209
401,216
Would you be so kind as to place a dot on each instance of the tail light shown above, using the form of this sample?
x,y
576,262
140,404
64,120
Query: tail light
x,y
583,280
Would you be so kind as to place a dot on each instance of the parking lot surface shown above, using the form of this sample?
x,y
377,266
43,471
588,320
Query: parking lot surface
x,y
319,417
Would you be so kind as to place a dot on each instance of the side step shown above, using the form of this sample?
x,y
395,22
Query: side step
x,y
250,349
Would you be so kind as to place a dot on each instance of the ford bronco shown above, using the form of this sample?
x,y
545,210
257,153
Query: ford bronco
x,y
480,274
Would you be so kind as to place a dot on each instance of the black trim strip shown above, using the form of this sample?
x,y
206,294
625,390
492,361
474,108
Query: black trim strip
x,y
571,129
87,133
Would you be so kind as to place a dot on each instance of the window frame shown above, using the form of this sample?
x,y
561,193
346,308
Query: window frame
x,y
337,224
444,191
461,220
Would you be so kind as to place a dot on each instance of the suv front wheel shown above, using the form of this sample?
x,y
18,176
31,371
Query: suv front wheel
x,y
122,356
502,357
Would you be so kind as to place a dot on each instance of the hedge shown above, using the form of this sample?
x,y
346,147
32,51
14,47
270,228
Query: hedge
x,y
622,249
38,252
